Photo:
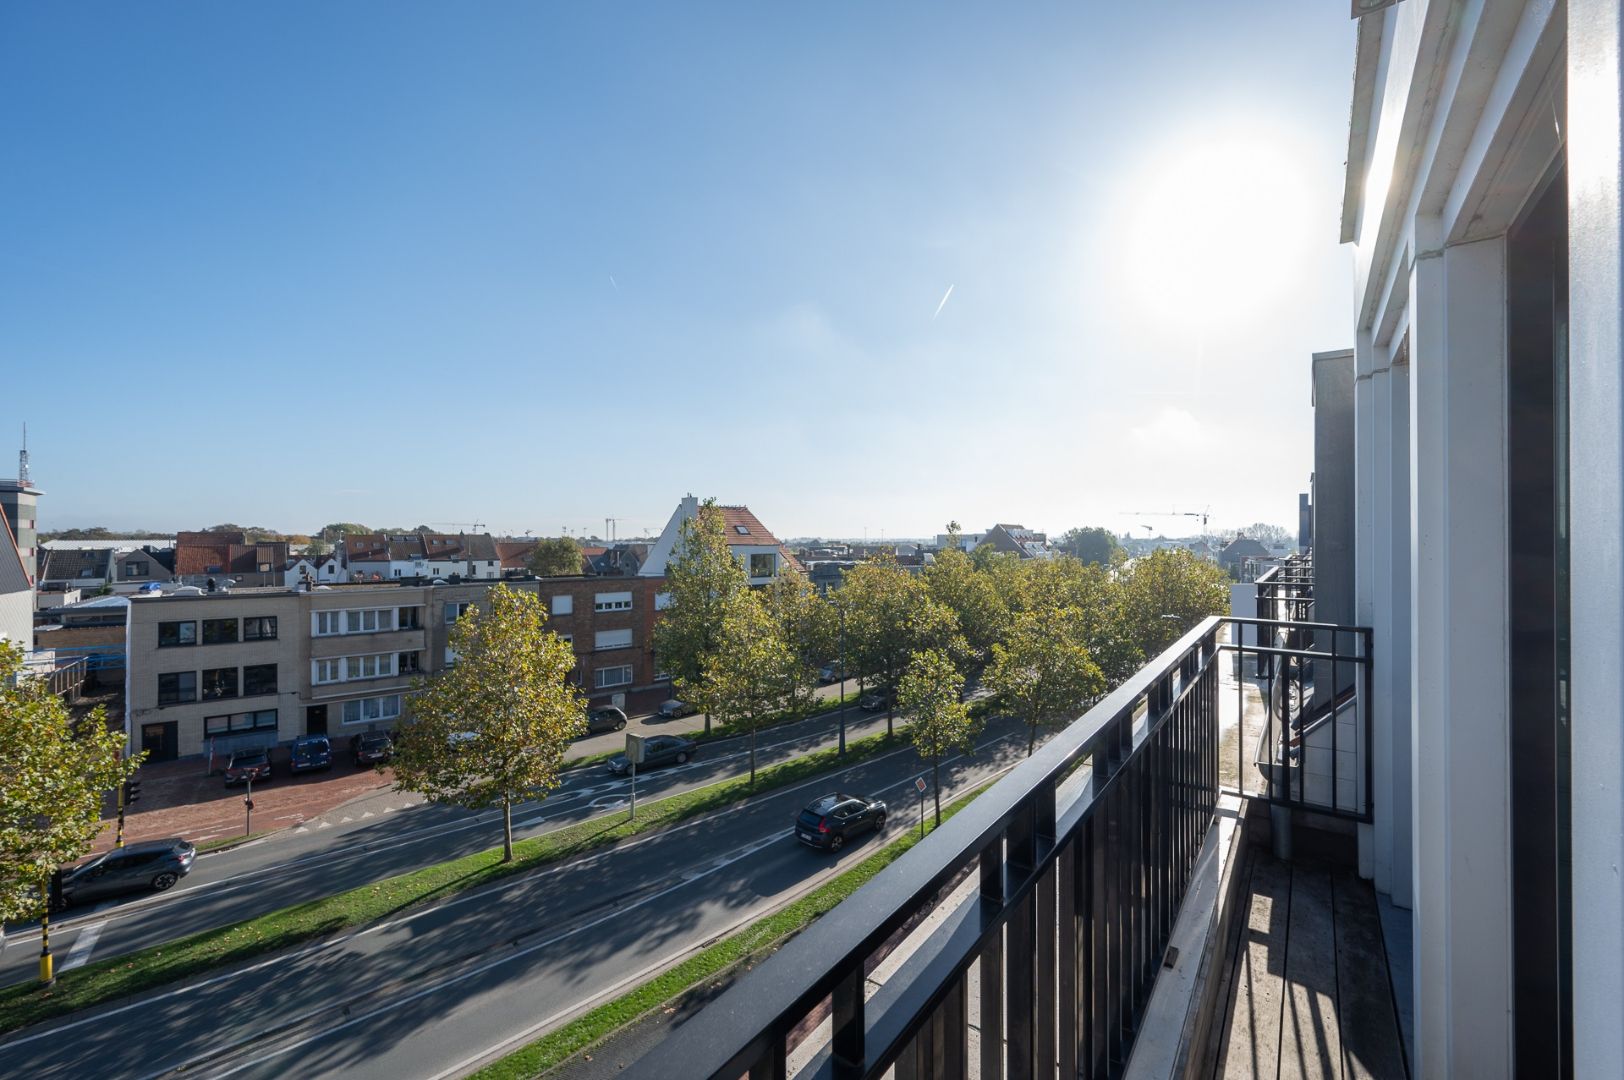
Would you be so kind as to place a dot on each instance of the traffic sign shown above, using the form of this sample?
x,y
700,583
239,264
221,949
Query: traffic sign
x,y
919,782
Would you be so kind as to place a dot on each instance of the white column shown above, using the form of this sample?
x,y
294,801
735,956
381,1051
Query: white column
x,y
1596,393
1392,626
1366,445
1462,855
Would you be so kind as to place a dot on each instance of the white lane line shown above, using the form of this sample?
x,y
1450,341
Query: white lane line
x,y
83,946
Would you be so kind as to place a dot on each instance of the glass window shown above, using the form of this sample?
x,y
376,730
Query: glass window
x,y
259,628
219,631
409,618
176,687
327,623
216,725
258,679
219,683
177,633
763,565
407,663
455,610
328,671
613,601
612,676
612,639
563,605
135,569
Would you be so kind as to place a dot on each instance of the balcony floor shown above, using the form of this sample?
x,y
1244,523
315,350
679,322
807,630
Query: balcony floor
x,y
1309,993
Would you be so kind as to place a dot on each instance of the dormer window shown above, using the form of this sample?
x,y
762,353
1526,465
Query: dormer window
x,y
742,530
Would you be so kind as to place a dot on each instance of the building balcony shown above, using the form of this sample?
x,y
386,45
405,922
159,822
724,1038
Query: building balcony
x,y
1080,917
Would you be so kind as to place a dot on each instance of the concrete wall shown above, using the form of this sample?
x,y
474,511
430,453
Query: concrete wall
x,y
1333,506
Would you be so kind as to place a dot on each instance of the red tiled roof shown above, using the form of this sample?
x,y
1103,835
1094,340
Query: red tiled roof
x,y
756,534
515,554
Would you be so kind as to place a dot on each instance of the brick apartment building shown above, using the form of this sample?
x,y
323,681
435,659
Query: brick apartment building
x,y
209,673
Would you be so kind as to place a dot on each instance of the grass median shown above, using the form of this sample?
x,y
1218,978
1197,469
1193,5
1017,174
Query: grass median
x,y
122,976
744,946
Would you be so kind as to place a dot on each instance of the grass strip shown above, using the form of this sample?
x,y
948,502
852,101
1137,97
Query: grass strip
x,y
121,976
592,1028
222,843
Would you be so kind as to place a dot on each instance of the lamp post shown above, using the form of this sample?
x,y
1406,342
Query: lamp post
x,y
841,608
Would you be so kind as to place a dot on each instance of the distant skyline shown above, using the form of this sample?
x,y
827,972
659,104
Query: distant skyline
x,y
861,268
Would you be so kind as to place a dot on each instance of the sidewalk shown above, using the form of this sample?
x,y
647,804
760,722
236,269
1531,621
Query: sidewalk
x,y
178,798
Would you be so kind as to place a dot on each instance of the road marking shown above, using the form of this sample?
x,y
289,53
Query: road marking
x,y
83,946
368,814
345,820
325,825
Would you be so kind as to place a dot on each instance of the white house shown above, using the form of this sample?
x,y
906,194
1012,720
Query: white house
x,y
762,556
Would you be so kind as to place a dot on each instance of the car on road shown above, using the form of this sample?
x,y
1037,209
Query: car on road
x,y
829,673
372,748
830,820
672,709
151,864
311,752
605,718
875,701
248,765
658,750
459,740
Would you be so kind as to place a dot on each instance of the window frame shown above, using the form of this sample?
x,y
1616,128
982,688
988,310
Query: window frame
x,y
258,624
600,683
177,644
236,631
174,698
262,691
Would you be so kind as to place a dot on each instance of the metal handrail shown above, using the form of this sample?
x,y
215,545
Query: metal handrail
x,y
1081,897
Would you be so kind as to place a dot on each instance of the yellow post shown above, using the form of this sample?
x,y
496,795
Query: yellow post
x,y
47,971
122,788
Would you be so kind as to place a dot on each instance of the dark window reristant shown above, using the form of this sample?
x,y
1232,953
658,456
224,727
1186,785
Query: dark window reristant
x,y
176,633
259,628
220,631
258,679
219,683
176,687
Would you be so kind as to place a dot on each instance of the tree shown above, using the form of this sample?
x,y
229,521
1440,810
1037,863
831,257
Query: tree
x,y
890,616
494,727
973,597
808,625
1091,545
555,557
1165,594
700,576
931,693
750,674
1044,671
53,775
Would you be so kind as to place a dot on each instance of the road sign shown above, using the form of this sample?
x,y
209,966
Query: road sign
x,y
919,782
634,748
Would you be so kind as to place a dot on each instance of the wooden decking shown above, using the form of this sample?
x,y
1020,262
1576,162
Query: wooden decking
x,y
1309,995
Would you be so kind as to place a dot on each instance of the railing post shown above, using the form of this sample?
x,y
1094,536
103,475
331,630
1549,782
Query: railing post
x,y
847,1051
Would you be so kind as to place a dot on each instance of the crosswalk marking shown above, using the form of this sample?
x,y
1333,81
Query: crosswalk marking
x,y
83,945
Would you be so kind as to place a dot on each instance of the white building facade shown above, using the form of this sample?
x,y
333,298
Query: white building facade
x,y
1483,201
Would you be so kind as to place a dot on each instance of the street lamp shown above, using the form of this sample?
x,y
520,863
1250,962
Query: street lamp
x,y
841,608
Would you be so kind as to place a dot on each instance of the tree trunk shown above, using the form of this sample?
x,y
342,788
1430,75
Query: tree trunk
x,y
707,722
507,829
1031,736
936,783
752,756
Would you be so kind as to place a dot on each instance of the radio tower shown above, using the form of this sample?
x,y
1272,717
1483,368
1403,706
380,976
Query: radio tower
x,y
22,460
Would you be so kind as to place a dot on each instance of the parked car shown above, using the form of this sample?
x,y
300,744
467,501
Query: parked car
x,y
604,718
459,740
248,765
311,752
151,864
657,751
372,748
672,709
829,673
875,701
833,819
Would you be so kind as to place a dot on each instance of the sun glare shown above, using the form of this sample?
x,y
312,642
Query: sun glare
x,y
1213,228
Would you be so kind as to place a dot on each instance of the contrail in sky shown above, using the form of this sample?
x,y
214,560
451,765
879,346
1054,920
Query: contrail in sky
x,y
943,304
614,283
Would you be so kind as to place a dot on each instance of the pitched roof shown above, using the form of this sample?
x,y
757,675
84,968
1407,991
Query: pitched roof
x,y
515,554
13,574
204,552
72,564
744,529
1243,547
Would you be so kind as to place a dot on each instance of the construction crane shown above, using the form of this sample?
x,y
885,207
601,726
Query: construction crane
x,y
1202,514
462,524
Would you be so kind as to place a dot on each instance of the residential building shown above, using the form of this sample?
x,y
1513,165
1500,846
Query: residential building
x,y
202,558
19,504
1239,552
1018,540
16,593
141,565
379,557
79,568
757,550
212,672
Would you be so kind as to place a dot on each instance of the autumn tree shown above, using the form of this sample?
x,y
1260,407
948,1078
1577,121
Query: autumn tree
x,y
974,598
890,615
1165,594
700,577
1091,545
54,774
931,693
558,556
750,673
808,625
494,727
1043,671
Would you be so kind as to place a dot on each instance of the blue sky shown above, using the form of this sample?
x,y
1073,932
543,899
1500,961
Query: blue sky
x,y
539,264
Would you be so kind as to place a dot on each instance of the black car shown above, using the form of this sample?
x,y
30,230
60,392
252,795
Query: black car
x,y
605,718
248,765
658,750
152,864
875,701
372,748
311,752
835,818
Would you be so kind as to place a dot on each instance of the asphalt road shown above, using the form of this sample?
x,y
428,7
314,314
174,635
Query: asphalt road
x,y
434,992
291,867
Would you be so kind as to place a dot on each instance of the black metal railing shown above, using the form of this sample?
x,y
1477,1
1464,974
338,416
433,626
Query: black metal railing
x,y
1079,860
1302,693
1286,591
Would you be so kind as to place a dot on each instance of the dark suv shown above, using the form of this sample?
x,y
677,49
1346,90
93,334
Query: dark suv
x,y
833,819
311,752
152,864
605,718
372,748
